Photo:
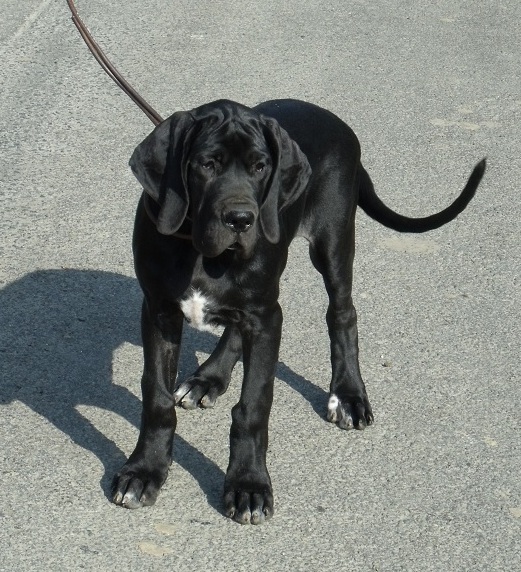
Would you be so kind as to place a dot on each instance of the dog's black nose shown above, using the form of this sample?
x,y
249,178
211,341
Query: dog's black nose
x,y
239,221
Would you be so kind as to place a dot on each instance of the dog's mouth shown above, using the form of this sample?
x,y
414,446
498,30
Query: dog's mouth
x,y
217,239
241,250
236,248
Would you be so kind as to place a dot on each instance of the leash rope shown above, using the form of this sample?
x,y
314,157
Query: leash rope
x,y
116,76
109,68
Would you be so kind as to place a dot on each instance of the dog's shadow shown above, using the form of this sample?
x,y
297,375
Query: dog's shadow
x,y
58,332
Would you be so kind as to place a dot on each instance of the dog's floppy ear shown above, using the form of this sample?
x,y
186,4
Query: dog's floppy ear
x,y
159,164
291,173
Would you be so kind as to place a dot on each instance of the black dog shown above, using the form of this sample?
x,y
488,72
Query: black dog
x,y
226,190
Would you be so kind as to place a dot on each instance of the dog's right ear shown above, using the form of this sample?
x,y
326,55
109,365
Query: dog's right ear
x,y
159,164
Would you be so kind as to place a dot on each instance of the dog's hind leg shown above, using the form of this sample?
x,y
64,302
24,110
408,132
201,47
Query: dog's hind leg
x,y
332,254
213,376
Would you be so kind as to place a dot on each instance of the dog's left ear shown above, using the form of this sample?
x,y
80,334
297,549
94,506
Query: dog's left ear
x,y
290,176
159,164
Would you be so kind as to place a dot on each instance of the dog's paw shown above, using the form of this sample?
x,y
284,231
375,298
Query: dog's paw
x,y
248,503
350,412
198,391
135,488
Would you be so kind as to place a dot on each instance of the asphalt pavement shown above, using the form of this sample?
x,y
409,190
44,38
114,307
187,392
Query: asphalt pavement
x,y
430,89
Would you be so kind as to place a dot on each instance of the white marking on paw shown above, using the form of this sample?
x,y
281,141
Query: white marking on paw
x,y
332,408
194,308
333,403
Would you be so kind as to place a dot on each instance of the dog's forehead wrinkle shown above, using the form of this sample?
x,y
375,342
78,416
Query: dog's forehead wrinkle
x,y
215,117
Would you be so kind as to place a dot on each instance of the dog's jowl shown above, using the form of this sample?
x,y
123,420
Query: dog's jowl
x,y
226,189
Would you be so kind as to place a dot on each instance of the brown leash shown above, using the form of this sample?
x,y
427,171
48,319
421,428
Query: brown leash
x,y
114,74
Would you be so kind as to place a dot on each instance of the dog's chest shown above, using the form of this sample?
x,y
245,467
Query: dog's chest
x,y
206,311
195,307
219,296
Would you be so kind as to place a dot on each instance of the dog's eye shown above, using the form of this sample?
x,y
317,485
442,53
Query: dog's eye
x,y
208,165
260,166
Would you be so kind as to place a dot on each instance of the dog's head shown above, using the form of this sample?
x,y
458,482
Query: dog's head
x,y
227,169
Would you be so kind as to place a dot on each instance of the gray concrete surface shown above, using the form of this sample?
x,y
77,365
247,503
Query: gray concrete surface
x,y
430,88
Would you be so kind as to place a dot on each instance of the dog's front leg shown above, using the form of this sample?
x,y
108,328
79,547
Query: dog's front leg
x,y
213,376
140,479
248,494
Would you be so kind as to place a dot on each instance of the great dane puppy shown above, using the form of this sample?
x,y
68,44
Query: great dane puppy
x,y
226,189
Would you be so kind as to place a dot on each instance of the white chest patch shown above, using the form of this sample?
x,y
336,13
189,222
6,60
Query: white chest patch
x,y
194,308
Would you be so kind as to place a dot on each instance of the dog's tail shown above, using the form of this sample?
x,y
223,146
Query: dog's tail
x,y
377,210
